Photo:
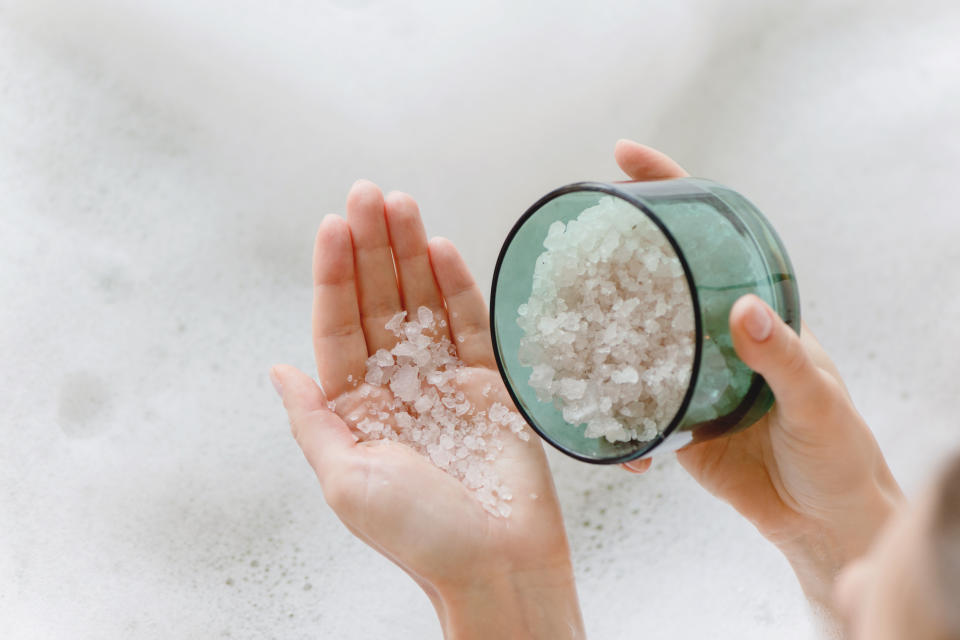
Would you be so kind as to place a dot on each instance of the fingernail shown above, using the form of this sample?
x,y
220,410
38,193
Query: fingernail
x,y
275,379
758,322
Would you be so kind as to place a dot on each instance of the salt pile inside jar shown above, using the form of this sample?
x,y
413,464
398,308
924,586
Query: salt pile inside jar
x,y
609,324
421,394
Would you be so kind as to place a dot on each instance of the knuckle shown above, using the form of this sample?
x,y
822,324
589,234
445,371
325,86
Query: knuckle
x,y
821,400
832,398
795,360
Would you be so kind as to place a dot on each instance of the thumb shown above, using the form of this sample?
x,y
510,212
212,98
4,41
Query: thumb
x,y
323,437
641,162
771,348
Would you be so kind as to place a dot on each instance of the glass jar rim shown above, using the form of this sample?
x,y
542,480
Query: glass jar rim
x,y
609,188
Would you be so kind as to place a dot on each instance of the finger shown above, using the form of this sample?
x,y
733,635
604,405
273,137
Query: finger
x,y
767,345
323,437
376,276
469,324
338,341
820,357
641,162
638,466
418,287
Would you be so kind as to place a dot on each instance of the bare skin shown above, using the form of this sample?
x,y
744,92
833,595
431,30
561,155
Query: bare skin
x,y
472,565
809,474
891,592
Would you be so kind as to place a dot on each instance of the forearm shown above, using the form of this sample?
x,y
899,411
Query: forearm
x,y
529,604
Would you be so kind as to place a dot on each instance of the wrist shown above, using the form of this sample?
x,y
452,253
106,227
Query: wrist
x,y
825,545
539,603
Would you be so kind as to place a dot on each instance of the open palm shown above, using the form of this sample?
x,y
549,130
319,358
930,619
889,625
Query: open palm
x,y
366,269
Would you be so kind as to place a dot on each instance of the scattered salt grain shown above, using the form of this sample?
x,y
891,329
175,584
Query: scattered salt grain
x,y
609,326
393,325
425,317
498,413
431,414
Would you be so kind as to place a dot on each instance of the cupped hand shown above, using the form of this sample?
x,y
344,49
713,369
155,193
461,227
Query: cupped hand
x,y
486,575
809,474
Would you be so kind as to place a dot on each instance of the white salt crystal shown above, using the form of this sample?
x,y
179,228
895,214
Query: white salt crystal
x,y
405,349
405,383
542,376
423,404
627,375
498,413
411,330
472,477
572,389
608,328
441,457
425,317
370,427
374,375
421,386
393,325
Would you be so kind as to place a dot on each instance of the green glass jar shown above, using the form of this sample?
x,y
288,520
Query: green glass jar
x,y
727,249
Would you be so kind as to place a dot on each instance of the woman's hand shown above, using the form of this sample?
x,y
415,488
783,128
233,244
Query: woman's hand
x,y
486,576
809,474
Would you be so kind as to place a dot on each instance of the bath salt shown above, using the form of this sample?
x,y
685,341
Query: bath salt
x,y
608,329
429,411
